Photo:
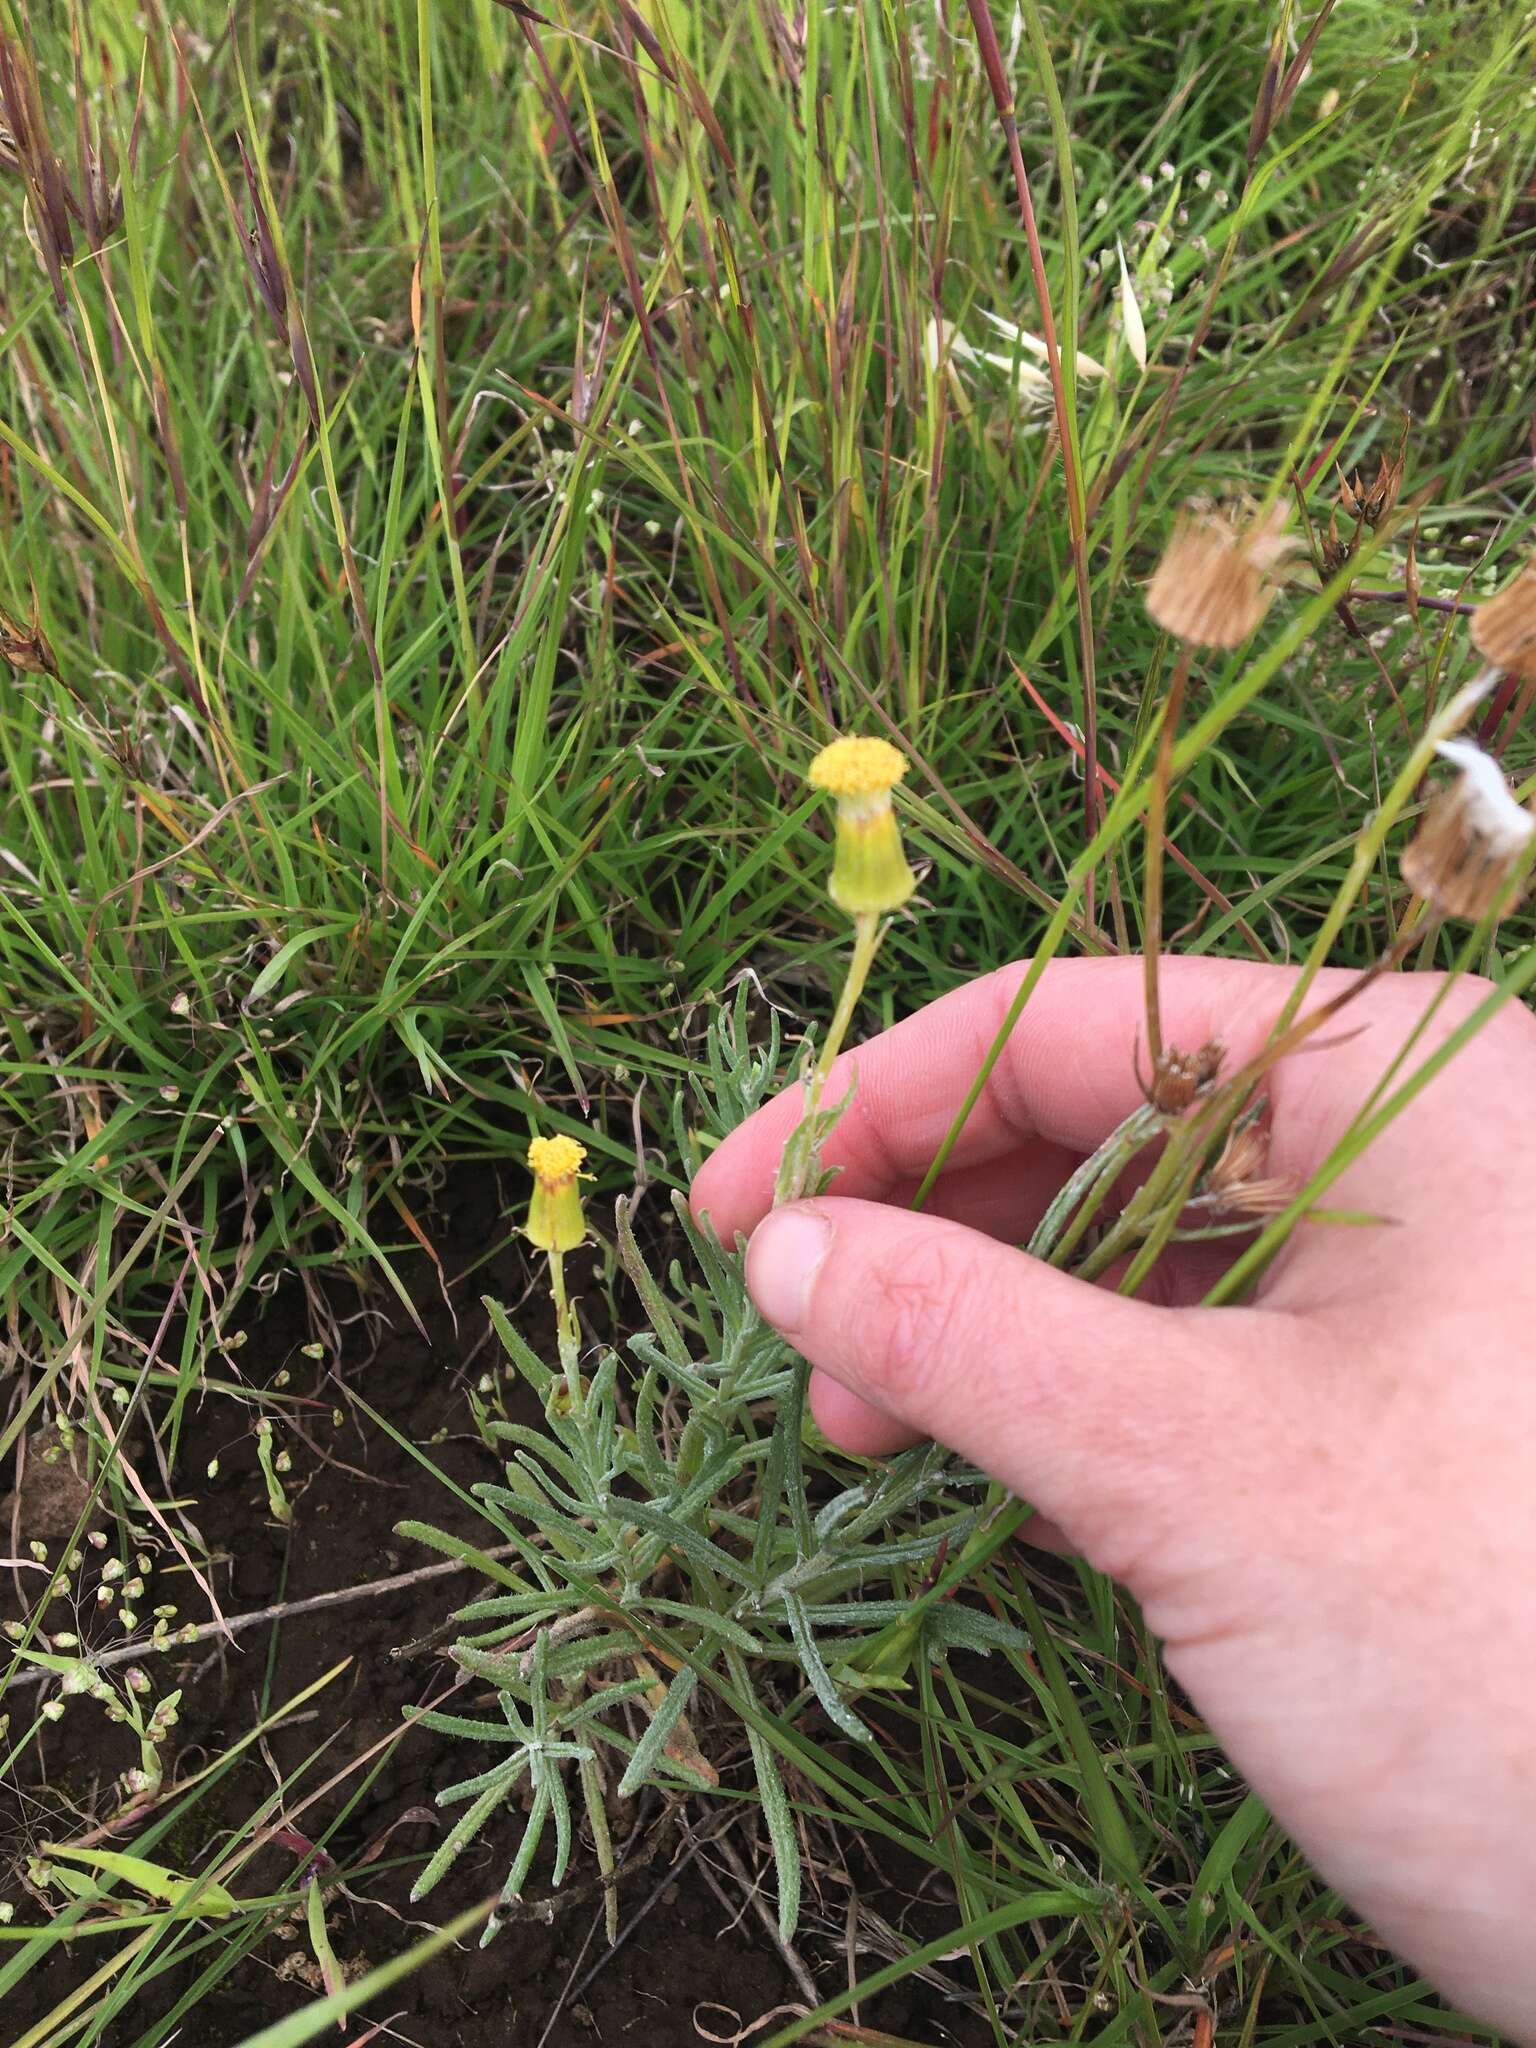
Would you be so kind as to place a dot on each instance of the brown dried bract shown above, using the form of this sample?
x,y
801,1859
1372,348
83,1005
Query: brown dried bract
x,y
1237,1185
25,647
1371,502
1334,552
1504,629
1215,581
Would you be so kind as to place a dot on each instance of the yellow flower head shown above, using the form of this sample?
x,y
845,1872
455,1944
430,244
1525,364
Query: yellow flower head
x,y
555,1219
857,768
553,1160
870,874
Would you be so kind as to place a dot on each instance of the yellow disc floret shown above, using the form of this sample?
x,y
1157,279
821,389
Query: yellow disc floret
x,y
553,1160
857,767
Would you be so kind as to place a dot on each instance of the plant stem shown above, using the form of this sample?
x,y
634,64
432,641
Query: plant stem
x,y
1157,824
1061,395
566,1333
866,942
1428,604
1061,1228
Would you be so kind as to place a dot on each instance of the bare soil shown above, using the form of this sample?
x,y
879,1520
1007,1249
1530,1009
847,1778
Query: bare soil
x,y
693,1952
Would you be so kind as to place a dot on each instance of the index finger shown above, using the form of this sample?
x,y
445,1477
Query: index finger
x,y
1067,1075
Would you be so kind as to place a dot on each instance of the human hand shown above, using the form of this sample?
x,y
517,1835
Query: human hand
x,y
1323,1501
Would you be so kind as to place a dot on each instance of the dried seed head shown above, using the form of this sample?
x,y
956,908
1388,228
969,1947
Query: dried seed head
x,y
1504,629
1215,581
1237,1184
1371,502
25,646
1180,1077
1470,838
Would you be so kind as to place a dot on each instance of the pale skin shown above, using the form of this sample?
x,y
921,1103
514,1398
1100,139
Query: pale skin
x,y
1323,1500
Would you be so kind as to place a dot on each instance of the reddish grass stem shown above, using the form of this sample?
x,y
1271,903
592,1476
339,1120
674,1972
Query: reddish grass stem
x,y
1077,523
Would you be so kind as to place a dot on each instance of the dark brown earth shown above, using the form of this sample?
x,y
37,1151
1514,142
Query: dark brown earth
x,y
693,1951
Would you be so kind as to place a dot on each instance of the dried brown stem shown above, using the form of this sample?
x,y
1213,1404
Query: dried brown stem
x,y
339,1596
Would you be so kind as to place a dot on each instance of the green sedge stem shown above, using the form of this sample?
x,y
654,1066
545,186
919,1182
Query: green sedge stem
x,y
1372,839
1157,825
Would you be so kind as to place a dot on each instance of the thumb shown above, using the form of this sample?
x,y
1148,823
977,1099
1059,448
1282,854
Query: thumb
x,y
1139,1430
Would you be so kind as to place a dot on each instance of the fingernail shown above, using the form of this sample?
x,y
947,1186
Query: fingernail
x,y
783,1259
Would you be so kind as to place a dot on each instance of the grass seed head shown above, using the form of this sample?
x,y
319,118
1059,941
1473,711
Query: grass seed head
x,y
1470,839
870,874
1504,629
1215,581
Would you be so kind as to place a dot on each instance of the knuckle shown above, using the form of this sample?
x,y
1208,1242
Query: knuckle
x,y
911,1335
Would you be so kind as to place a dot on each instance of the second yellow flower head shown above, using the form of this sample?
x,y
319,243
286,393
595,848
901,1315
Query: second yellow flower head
x,y
870,874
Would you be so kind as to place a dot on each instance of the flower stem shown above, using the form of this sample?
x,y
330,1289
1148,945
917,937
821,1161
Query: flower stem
x,y
566,1333
799,1168
866,941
